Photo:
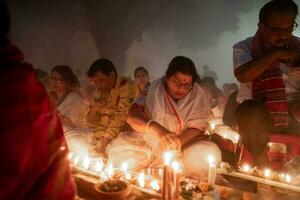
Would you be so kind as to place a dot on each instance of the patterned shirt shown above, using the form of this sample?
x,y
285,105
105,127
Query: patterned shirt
x,y
118,103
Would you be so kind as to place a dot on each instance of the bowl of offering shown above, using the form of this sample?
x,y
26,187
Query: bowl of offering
x,y
113,189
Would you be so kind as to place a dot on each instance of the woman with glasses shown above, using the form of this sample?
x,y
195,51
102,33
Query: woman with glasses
x,y
66,97
173,117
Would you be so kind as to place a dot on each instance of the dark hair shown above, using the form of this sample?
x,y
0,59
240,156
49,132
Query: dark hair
x,y
4,19
141,68
277,6
183,65
103,65
67,75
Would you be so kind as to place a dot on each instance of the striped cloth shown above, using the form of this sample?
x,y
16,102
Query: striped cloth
x,y
269,88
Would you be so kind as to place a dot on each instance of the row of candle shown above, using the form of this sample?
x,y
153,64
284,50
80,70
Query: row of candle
x,y
266,173
97,167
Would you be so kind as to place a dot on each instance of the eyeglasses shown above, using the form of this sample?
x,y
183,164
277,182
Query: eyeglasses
x,y
283,30
186,86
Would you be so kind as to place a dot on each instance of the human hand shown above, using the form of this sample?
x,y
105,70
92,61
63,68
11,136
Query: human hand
x,y
287,56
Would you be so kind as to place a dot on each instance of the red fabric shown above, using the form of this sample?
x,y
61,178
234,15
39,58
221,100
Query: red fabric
x,y
269,87
33,166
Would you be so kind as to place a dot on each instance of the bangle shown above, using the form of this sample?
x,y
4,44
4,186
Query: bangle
x,y
148,124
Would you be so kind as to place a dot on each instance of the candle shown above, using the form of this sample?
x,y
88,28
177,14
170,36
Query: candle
x,y
110,170
176,176
166,180
267,173
288,178
211,170
265,181
246,168
124,168
99,166
141,179
86,162
154,184
168,157
167,175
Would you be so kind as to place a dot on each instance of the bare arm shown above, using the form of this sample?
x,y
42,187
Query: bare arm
x,y
249,71
137,119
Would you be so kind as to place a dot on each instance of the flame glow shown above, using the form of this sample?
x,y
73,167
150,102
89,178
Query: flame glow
x,y
141,179
267,173
155,185
246,168
168,157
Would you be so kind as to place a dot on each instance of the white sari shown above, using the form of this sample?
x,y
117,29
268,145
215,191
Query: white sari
x,y
192,111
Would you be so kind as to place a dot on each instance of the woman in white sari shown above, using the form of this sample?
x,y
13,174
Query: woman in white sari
x,y
66,97
173,116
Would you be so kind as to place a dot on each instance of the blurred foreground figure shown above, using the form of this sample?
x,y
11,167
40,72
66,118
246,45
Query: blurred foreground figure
x,y
33,150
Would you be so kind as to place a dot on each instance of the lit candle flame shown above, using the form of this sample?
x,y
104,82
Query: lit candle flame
x,y
246,168
99,166
124,167
267,173
175,165
76,160
211,160
155,185
288,178
86,162
141,179
110,170
168,157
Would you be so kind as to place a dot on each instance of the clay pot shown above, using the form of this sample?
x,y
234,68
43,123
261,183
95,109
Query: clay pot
x,y
118,195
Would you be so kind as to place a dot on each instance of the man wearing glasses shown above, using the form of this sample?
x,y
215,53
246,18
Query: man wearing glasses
x,y
268,69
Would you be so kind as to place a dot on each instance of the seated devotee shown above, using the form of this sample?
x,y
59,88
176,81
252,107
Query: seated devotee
x,y
70,105
112,99
267,67
33,146
141,78
215,95
173,117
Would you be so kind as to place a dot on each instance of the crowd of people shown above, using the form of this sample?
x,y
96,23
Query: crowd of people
x,y
136,120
